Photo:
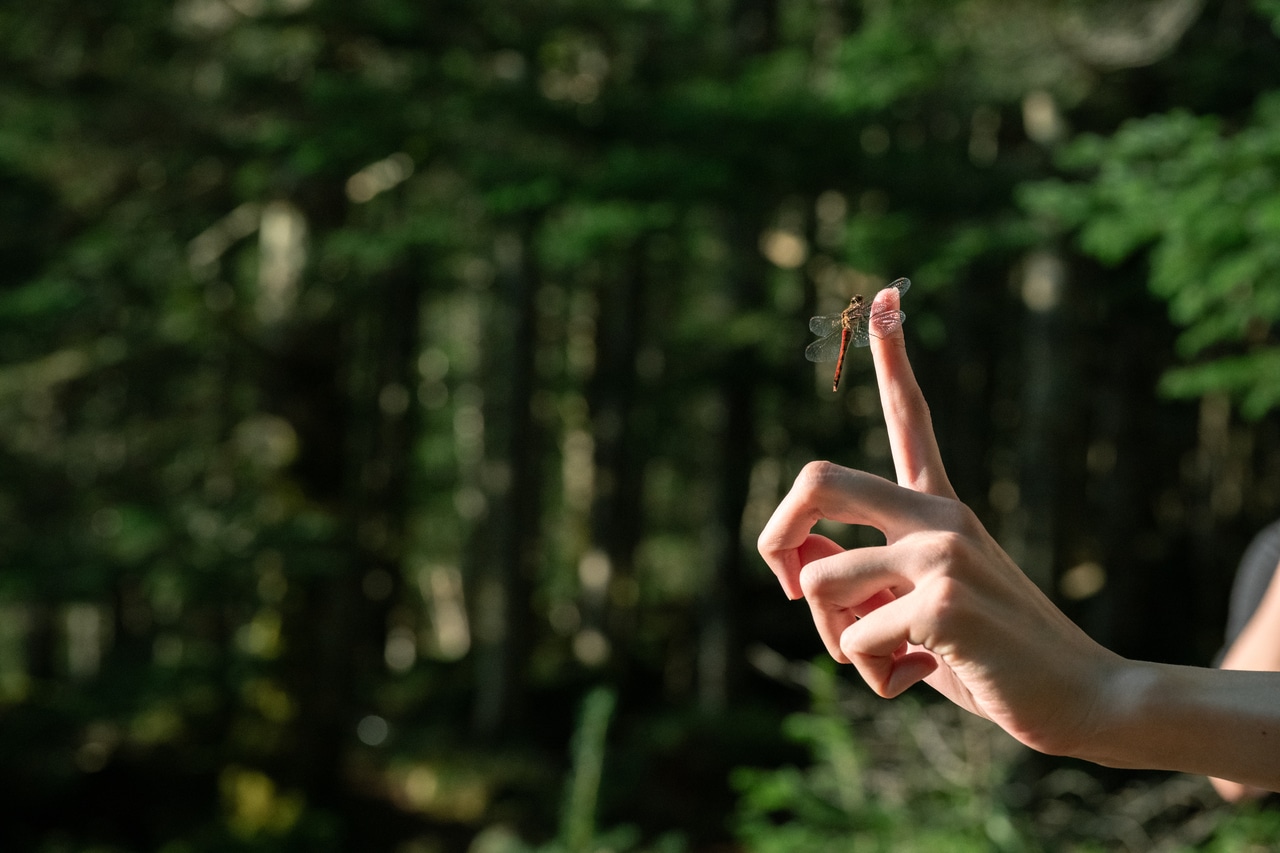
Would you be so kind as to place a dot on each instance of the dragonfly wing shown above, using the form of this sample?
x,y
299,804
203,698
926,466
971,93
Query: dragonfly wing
x,y
824,349
882,324
901,285
824,325
858,335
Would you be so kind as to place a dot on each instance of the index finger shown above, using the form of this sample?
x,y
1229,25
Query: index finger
x,y
827,491
916,458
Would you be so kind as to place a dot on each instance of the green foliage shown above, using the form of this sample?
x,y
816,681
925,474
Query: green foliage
x,y
1250,827
578,831
837,802
1202,202
578,822
370,372
1270,8
1248,378
922,776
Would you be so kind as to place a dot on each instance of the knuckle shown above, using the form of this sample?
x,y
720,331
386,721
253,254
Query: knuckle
x,y
820,481
945,593
814,583
817,475
946,604
956,518
945,550
823,587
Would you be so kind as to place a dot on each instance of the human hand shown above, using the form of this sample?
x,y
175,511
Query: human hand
x,y
940,601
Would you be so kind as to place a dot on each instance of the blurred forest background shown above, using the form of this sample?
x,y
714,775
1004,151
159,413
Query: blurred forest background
x,y
391,394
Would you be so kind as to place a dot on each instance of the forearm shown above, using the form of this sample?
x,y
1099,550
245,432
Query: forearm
x,y
1190,719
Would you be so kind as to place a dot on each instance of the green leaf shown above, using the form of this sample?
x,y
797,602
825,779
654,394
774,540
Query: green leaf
x,y
1252,379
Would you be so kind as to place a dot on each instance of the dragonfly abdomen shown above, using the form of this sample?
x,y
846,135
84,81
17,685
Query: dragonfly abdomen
x,y
844,347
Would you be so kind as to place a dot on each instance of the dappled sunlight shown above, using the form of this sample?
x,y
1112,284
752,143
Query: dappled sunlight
x,y
444,792
378,177
1082,581
267,441
208,247
390,394
574,68
282,254
210,17
372,730
87,638
785,249
441,588
1043,281
256,805
260,637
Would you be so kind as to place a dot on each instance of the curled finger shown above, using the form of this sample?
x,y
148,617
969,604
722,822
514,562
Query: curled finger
x,y
846,587
879,647
826,491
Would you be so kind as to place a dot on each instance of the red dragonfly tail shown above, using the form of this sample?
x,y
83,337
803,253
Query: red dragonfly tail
x,y
844,346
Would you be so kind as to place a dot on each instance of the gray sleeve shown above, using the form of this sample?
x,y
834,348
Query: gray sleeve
x,y
1253,576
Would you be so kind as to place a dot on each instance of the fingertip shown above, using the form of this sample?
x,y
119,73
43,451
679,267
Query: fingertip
x,y
908,670
888,344
891,675
785,565
838,655
888,299
790,580
888,296
818,547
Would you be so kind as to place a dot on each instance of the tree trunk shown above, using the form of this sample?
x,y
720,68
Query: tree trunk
x,y
335,636
619,471
719,655
508,547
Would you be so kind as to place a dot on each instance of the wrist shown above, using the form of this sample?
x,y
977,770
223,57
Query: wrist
x,y
1188,719
1121,723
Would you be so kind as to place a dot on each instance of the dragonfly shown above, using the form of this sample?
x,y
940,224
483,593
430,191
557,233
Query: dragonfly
x,y
856,323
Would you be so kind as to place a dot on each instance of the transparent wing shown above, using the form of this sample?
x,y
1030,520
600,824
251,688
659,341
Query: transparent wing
x,y
825,325
824,349
900,284
881,323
